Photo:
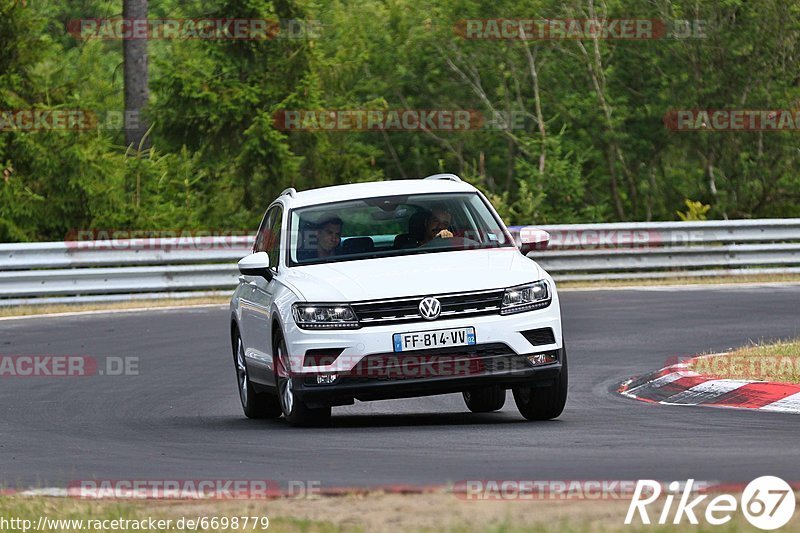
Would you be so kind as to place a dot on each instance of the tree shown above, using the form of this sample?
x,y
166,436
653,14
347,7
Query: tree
x,y
134,53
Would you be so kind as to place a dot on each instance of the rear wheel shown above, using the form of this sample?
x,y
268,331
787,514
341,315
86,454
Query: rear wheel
x,y
485,399
296,412
544,403
255,404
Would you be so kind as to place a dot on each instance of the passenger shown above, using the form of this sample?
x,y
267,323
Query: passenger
x,y
328,235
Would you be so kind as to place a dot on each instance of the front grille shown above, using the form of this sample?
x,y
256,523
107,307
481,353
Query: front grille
x,y
539,337
407,309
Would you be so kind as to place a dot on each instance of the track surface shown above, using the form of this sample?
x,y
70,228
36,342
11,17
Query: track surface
x,y
180,418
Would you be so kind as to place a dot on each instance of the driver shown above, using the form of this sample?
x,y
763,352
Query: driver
x,y
436,224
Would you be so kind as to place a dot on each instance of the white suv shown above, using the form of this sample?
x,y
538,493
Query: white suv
x,y
394,289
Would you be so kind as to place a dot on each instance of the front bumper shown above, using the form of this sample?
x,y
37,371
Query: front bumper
x,y
440,371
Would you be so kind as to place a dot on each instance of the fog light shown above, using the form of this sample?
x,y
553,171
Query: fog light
x,y
325,379
542,358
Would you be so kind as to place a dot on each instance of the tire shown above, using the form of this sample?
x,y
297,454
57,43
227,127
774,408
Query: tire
x,y
294,410
544,403
254,404
485,399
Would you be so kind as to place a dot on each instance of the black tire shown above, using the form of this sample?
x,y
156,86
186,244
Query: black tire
x,y
294,410
544,403
485,399
254,404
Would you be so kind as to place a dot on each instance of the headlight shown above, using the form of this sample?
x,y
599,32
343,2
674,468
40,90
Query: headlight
x,y
315,316
526,298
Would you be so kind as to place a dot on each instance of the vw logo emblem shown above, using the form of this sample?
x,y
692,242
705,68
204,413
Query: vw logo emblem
x,y
430,308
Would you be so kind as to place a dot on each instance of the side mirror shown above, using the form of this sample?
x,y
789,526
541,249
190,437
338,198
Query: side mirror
x,y
532,239
256,264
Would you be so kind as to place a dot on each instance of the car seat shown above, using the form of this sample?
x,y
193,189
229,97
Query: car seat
x,y
416,231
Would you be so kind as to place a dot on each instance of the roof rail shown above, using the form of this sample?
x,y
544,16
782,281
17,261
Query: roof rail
x,y
451,177
290,191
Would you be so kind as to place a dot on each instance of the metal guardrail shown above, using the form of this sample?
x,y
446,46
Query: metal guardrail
x,y
123,252
123,269
580,252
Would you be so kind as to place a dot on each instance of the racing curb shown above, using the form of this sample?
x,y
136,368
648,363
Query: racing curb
x,y
676,384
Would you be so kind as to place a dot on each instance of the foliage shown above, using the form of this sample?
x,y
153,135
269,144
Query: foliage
x,y
695,211
573,129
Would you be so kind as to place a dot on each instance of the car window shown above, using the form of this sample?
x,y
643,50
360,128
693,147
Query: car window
x,y
264,236
273,244
392,225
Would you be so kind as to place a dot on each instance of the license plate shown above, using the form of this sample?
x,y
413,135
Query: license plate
x,y
437,338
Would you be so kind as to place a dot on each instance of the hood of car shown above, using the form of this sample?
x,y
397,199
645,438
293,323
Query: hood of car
x,y
412,275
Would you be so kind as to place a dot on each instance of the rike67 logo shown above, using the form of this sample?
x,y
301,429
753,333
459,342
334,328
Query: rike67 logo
x,y
767,502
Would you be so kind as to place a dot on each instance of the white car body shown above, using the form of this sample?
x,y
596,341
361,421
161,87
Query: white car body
x,y
262,308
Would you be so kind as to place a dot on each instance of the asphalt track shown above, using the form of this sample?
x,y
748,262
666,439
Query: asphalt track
x,y
180,418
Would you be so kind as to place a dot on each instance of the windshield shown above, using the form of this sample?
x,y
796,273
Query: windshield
x,y
392,225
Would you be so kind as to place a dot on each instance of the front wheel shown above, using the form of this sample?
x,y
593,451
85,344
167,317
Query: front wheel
x,y
294,410
255,404
544,403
